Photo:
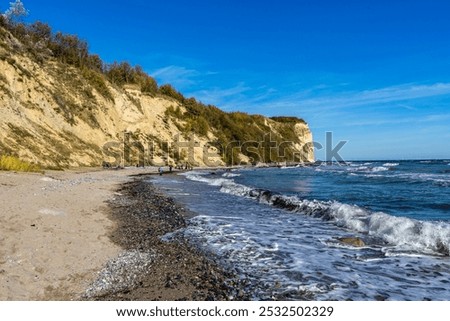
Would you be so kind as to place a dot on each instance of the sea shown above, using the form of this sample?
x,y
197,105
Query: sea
x,y
281,229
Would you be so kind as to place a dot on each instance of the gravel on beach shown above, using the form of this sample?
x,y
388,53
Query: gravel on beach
x,y
151,269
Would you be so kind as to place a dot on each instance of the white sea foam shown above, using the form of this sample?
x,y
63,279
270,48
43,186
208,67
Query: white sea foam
x,y
377,172
380,169
402,234
368,169
391,164
201,177
440,179
405,234
285,244
227,185
230,175
357,168
293,243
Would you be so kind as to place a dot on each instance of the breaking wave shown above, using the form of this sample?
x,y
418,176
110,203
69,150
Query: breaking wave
x,y
391,164
368,169
397,234
231,175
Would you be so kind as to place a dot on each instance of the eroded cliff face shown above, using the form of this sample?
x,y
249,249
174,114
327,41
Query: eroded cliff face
x,y
51,114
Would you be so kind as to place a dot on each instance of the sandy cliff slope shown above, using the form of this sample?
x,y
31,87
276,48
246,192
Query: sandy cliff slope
x,y
53,114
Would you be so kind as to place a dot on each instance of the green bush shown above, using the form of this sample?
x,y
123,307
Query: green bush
x,y
169,91
11,163
97,81
284,119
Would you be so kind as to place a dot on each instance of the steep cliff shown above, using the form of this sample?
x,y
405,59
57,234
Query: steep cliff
x,y
59,116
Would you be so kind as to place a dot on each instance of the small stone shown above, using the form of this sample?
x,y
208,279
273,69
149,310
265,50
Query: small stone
x,y
380,297
353,241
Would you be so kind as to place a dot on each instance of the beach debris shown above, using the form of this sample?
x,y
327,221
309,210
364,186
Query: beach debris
x,y
49,179
121,273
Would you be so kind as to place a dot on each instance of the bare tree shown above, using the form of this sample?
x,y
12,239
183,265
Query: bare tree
x,y
16,12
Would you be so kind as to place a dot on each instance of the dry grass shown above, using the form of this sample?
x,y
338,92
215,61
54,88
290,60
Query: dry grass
x,y
11,163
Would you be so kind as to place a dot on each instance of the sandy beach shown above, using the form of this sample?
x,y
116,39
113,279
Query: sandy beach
x,y
99,235
54,231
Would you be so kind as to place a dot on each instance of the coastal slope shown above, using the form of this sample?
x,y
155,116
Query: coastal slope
x,y
61,115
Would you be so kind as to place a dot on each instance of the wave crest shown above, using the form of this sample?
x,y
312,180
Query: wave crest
x,y
404,234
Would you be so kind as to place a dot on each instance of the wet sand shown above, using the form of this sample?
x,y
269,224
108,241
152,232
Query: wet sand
x,y
177,270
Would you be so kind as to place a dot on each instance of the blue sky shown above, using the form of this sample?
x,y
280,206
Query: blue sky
x,y
375,73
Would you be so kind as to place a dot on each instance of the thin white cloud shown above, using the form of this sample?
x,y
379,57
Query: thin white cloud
x,y
436,117
396,121
363,98
221,97
407,107
175,75
312,102
324,110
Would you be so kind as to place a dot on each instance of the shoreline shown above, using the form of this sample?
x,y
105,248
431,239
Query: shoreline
x,y
177,270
